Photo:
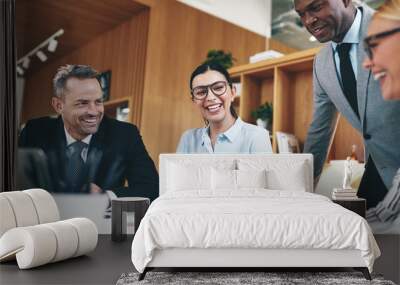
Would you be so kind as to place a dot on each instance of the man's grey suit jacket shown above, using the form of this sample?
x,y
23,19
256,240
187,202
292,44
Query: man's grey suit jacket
x,y
380,120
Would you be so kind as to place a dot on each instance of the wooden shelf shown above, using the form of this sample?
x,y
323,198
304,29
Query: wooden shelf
x,y
287,83
113,107
296,57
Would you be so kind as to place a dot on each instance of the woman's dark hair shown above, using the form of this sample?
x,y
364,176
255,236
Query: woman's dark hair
x,y
203,68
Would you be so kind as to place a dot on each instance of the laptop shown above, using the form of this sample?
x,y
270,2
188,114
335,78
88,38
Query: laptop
x,y
96,207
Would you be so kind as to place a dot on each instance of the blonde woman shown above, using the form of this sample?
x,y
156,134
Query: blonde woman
x,y
382,45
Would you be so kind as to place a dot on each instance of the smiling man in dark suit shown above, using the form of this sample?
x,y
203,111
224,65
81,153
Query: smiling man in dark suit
x,y
88,152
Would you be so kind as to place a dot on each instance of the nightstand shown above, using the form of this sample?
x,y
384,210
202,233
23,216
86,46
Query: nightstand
x,y
358,205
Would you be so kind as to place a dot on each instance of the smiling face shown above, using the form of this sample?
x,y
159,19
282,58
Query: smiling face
x,y
214,109
385,62
326,20
81,107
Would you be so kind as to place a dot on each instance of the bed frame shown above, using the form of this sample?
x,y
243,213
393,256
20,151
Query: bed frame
x,y
246,259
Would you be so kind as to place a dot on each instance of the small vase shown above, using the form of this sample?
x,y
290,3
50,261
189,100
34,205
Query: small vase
x,y
262,123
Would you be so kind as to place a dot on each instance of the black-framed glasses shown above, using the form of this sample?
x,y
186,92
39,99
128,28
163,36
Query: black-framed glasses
x,y
370,44
218,88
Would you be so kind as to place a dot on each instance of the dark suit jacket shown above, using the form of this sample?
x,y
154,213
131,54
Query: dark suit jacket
x,y
116,154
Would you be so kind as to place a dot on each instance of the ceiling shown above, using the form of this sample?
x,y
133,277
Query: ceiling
x,y
287,28
82,20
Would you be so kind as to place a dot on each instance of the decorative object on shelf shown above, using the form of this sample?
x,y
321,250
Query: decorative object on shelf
x,y
346,192
353,155
119,109
332,177
268,54
263,115
219,56
238,87
347,174
105,82
122,113
287,143
262,123
24,62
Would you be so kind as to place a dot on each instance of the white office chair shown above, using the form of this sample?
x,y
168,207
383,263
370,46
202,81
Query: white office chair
x,y
31,232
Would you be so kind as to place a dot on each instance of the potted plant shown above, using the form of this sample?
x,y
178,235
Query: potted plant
x,y
219,56
263,115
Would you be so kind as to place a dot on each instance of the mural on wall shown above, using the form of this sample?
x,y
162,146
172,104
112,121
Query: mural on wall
x,y
37,167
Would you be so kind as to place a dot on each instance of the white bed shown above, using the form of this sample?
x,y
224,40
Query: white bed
x,y
247,211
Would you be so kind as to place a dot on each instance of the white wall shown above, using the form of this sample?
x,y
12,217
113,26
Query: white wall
x,y
253,15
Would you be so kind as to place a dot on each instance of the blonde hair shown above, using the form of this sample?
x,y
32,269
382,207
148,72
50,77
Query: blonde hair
x,y
389,10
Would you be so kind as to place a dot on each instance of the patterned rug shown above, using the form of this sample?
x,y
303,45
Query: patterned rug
x,y
243,278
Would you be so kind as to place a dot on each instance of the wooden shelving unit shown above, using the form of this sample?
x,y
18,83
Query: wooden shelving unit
x,y
287,83
111,107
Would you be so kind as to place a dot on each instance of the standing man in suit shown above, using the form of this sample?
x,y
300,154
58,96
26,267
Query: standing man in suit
x,y
88,152
342,85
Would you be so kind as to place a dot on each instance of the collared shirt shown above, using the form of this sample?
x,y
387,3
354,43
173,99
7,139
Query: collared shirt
x,y
86,140
352,36
240,138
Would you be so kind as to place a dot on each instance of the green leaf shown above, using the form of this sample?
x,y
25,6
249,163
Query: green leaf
x,y
263,112
219,56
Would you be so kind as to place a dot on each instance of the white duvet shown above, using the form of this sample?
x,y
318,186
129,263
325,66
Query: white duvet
x,y
250,219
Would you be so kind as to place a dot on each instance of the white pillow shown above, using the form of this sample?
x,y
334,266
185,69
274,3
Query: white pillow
x,y
292,178
183,177
251,178
280,174
227,179
223,179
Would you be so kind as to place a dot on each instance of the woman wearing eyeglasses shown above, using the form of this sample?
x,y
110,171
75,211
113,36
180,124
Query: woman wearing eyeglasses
x,y
383,49
212,93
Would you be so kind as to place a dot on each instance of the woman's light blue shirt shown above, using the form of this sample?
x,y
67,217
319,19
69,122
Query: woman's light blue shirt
x,y
240,138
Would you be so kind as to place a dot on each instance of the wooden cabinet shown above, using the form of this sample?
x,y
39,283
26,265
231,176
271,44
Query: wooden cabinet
x,y
120,109
286,82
